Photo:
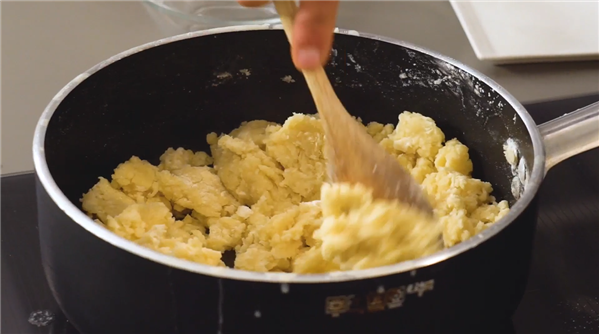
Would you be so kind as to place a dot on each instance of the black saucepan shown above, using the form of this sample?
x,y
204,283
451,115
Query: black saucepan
x,y
172,92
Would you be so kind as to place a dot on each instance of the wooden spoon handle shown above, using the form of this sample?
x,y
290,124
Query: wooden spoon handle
x,y
327,103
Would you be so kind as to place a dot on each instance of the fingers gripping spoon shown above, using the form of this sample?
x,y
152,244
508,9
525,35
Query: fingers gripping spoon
x,y
353,155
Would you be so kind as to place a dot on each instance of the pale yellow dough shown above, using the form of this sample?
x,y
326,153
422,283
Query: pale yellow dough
x,y
360,232
263,193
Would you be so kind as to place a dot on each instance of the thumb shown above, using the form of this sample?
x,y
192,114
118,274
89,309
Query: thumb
x,y
313,33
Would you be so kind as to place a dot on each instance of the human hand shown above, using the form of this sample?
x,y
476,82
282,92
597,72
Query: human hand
x,y
313,31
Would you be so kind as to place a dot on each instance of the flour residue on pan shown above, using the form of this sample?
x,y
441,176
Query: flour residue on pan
x,y
41,318
345,65
446,78
334,54
221,78
518,167
357,66
351,68
440,81
224,77
428,77
288,79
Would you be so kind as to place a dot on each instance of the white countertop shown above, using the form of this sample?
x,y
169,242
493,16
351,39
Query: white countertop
x,y
46,44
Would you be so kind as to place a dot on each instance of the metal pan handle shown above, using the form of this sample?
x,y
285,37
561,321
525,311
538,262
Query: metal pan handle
x,y
570,134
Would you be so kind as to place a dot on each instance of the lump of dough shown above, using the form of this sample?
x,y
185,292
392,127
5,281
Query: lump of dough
x,y
360,232
197,188
389,146
258,258
136,178
254,131
298,147
491,213
102,200
291,230
454,157
488,214
408,161
457,227
152,225
379,131
417,134
310,261
248,173
422,168
193,250
281,238
385,134
449,190
172,159
137,219
160,198
227,232
382,134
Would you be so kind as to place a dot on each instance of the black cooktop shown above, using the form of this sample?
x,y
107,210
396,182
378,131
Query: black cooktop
x,y
562,294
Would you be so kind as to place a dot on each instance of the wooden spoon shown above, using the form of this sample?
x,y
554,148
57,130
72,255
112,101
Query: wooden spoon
x,y
353,155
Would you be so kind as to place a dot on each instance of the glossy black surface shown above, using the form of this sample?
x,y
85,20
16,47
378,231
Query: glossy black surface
x,y
562,295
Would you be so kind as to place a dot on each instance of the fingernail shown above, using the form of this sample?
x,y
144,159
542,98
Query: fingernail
x,y
308,58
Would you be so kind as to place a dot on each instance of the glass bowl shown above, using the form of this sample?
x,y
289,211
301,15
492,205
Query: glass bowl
x,y
193,15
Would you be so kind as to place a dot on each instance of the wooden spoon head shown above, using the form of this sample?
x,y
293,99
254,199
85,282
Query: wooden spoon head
x,y
355,157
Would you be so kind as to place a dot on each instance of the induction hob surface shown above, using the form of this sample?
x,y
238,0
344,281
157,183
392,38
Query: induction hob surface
x,y
562,294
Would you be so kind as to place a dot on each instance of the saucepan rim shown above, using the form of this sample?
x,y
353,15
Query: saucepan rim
x,y
78,216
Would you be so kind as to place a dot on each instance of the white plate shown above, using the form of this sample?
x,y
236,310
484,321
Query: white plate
x,y
532,31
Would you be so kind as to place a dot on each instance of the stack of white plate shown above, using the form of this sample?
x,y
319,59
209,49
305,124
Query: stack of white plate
x,y
531,31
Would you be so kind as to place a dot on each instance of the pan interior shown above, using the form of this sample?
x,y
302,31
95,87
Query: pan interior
x,y
174,94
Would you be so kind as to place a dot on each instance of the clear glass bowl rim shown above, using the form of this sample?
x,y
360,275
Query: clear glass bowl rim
x,y
161,6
